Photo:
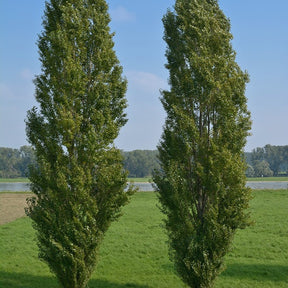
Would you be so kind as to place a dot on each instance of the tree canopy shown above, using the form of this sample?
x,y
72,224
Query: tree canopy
x,y
78,180
201,182
141,163
15,162
276,158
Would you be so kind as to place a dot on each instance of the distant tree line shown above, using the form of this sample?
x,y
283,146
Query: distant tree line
x,y
15,162
267,161
141,163
262,162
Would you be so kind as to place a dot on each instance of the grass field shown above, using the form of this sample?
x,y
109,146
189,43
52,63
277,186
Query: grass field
x,y
141,180
14,180
273,179
134,253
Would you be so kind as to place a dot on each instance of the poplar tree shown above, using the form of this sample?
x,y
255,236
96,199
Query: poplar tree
x,y
78,181
201,182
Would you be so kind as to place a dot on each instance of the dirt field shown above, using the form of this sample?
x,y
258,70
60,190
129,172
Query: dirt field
x,y
12,206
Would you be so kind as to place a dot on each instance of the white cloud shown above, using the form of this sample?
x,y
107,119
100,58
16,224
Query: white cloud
x,y
146,81
121,14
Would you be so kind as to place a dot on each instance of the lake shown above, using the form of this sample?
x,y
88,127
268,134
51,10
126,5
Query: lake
x,y
148,186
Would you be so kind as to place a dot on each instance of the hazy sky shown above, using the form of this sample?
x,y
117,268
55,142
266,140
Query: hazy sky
x,y
260,30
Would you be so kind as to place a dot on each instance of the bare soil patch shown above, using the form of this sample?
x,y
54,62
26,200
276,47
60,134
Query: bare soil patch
x,y
12,206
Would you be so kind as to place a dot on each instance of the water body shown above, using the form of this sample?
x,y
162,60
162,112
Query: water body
x,y
254,185
268,185
14,187
148,186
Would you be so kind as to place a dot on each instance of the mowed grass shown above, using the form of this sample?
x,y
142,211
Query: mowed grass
x,y
267,179
14,180
140,180
135,254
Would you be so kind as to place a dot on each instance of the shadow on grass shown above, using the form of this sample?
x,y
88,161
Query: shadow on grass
x,y
106,284
258,272
19,280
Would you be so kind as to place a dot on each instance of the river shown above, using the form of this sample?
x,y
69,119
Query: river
x,y
12,187
252,184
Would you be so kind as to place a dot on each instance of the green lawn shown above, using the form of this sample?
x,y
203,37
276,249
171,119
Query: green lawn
x,y
14,180
141,180
134,253
268,179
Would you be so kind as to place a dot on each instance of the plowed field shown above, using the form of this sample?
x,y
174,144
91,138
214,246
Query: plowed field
x,y
12,206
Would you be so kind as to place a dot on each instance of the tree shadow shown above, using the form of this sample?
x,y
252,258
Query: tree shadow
x,y
258,272
94,283
21,280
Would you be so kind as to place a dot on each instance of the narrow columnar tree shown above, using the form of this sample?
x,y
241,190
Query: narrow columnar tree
x,y
201,182
79,181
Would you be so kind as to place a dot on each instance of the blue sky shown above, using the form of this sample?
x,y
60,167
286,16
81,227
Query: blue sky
x,y
260,40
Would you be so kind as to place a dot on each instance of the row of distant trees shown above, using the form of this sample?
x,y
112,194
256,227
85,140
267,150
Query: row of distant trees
x,y
141,163
15,162
262,162
267,161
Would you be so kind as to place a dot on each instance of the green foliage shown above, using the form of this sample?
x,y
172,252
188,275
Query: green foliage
x,y
134,252
79,181
250,171
262,169
137,163
15,162
141,163
8,160
201,182
275,156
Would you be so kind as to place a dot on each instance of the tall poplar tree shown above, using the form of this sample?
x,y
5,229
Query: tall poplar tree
x,y
201,182
79,181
